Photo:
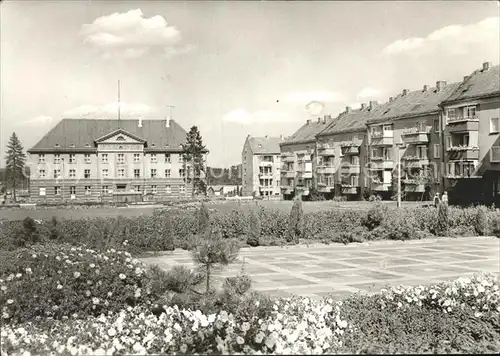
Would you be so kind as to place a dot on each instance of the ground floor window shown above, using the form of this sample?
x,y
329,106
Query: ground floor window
x,y
42,191
72,190
137,188
57,190
105,189
168,189
182,188
154,189
88,190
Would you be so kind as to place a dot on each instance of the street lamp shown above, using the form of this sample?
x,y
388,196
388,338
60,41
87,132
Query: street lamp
x,y
399,146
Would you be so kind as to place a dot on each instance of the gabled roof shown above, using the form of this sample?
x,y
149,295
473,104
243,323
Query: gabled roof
x,y
263,145
116,132
414,103
308,131
80,134
479,83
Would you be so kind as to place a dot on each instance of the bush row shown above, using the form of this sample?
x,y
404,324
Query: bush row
x,y
453,317
173,228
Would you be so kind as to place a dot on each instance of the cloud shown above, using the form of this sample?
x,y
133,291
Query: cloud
x,y
39,120
131,35
244,117
315,108
453,39
320,96
368,93
110,110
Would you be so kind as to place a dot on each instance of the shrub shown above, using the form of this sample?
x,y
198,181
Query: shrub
x,y
59,280
296,221
481,223
203,219
254,229
315,195
375,216
442,220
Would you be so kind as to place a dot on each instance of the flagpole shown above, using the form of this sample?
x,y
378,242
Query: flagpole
x,y
119,103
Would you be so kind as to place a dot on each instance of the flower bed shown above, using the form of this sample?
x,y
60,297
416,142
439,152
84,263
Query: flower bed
x,y
459,316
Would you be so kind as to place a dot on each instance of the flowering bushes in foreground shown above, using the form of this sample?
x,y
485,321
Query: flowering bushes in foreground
x,y
59,280
461,316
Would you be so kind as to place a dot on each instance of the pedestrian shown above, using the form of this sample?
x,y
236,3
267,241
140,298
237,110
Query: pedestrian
x,y
436,200
445,198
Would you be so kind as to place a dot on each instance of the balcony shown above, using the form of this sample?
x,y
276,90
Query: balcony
x,y
327,169
266,175
287,158
378,139
351,169
378,163
352,150
326,151
414,161
349,189
381,187
304,175
414,137
459,153
463,124
287,174
266,163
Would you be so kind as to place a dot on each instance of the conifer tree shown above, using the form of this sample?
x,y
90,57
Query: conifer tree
x,y
194,161
15,161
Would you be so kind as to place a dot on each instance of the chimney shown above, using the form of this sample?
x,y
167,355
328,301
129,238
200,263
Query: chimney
x,y
363,106
391,99
373,103
426,87
267,136
167,122
440,85
466,77
347,109
282,137
486,66
319,120
405,91
308,122
326,118
139,124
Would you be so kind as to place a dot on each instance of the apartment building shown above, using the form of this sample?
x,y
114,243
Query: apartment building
x,y
341,159
471,139
109,160
407,135
261,164
298,154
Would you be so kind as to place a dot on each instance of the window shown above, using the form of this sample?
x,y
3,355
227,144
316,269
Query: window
x,y
167,173
72,190
422,152
375,153
104,158
355,160
167,158
436,125
72,173
120,138
72,158
437,151
452,114
57,158
86,174
387,127
137,157
182,188
386,152
121,158
153,173
153,157
41,173
495,154
137,188
448,142
86,157
470,111
450,169
137,173
105,173
88,190
421,127
41,159
168,189
57,173
121,172
355,181
182,173
42,191
464,140
181,158
57,190
104,190
494,125
154,189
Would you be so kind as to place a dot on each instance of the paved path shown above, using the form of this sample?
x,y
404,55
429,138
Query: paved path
x,y
319,270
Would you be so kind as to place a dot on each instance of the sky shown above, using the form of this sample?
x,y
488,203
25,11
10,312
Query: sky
x,y
231,68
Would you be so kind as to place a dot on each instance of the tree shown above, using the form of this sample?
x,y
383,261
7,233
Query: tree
x,y
194,160
254,228
15,161
296,221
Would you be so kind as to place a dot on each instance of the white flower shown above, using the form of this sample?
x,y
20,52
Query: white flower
x,y
33,255
19,275
110,294
87,293
59,286
95,300
259,337
28,270
4,288
92,265
76,274
122,276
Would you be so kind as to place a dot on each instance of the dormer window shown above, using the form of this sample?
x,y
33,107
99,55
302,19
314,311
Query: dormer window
x,y
57,145
87,145
72,145
167,145
153,145
120,138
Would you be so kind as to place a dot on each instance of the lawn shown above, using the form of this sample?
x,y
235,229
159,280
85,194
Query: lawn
x,y
47,213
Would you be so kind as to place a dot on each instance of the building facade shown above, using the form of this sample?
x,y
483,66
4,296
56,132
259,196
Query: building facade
x,y
261,166
299,155
109,160
471,125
